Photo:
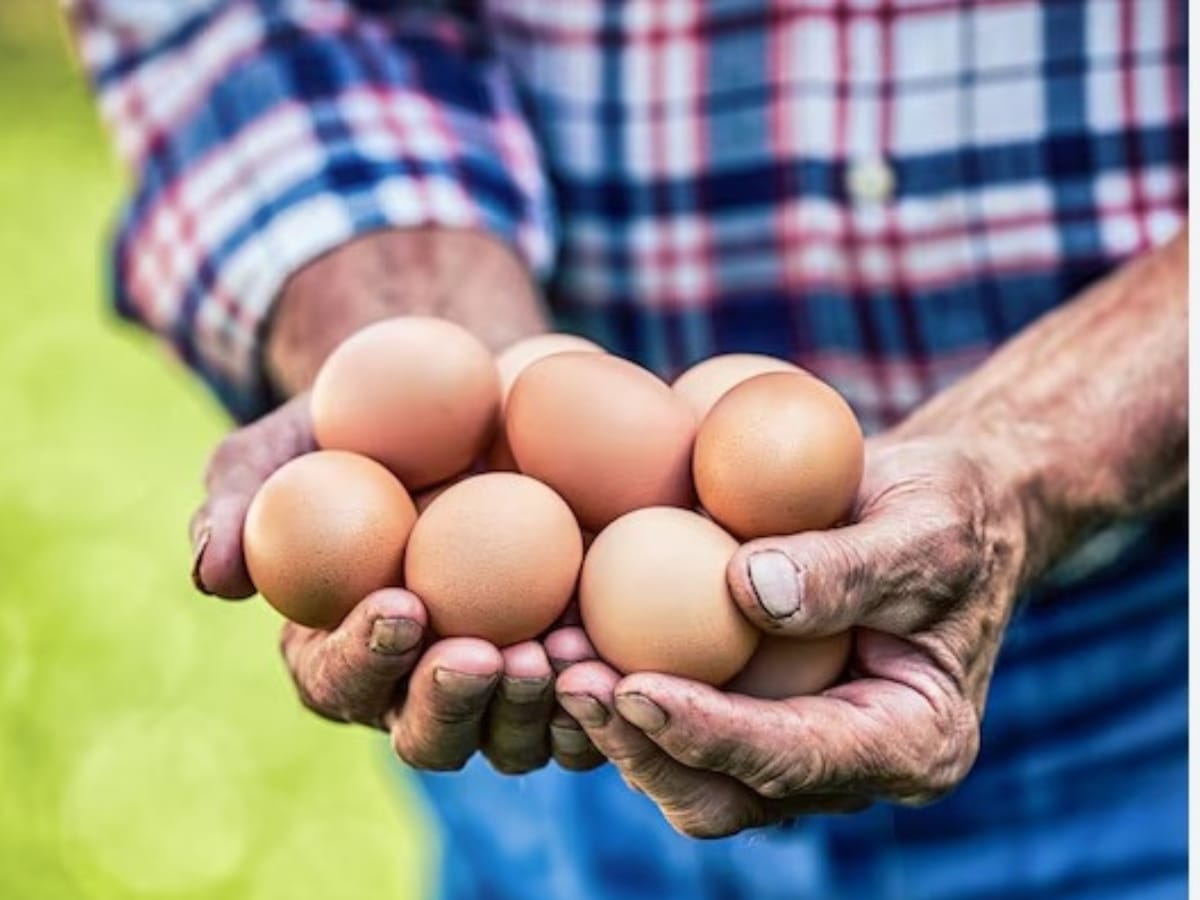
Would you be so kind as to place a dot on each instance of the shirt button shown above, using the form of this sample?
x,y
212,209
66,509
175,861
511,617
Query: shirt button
x,y
870,181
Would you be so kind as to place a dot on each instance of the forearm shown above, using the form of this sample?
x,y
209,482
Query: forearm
x,y
1083,415
465,276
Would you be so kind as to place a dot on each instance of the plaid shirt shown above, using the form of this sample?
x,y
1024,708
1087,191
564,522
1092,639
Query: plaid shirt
x,y
881,190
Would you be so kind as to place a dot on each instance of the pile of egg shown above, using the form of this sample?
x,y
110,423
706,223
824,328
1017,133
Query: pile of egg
x,y
498,489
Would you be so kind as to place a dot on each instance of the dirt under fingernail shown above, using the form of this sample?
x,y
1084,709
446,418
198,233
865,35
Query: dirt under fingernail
x,y
201,544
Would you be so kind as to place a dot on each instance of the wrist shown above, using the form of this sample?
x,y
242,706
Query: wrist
x,y
468,277
1082,418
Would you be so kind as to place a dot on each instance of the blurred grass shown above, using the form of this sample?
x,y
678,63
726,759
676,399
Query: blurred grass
x,y
152,745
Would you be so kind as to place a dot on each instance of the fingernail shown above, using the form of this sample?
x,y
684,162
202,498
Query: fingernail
x,y
462,683
584,709
776,583
525,690
640,710
569,739
198,548
392,637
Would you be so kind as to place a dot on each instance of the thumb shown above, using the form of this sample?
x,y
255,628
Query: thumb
x,y
819,582
242,462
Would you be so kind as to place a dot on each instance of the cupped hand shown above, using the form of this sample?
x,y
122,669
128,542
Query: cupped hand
x,y
926,574
441,700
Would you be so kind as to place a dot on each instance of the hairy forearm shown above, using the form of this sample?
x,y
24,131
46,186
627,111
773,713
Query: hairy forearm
x,y
1084,414
468,277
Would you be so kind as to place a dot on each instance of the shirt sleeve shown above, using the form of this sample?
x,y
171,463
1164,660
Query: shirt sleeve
x,y
261,133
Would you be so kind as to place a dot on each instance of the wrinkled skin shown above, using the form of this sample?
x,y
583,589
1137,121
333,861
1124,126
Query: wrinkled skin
x,y
927,575
441,700
1079,420
960,507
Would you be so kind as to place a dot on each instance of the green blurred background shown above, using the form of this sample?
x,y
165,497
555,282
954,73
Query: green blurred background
x,y
151,742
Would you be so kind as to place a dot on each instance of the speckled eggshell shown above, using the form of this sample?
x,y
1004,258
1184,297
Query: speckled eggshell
x,y
323,531
494,556
653,597
510,363
606,434
793,667
418,394
705,383
779,453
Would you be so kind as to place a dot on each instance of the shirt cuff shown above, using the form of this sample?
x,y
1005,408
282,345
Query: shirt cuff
x,y
261,142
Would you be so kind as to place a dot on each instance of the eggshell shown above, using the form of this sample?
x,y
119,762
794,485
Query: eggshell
x,y
323,531
494,556
653,597
705,383
793,667
418,394
778,454
609,436
510,363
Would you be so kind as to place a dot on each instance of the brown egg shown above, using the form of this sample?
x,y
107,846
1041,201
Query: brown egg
x,y
323,531
793,667
418,394
494,556
778,454
606,434
653,597
510,363
706,382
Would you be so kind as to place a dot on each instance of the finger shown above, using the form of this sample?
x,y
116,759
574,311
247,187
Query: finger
x,y
351,674
440,724
699,804
871,737
567,646
821,582
570,746
518,722
237,469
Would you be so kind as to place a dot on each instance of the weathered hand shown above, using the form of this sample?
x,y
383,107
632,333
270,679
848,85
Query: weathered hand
x,y
926,574
441,700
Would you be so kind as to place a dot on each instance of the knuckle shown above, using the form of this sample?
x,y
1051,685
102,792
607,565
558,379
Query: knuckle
x,y
320,696
511,763
406,750
422,754
579,762
951,547
702,828
776,788
706,755
780,776
445,764
229,453
962,746
319,703
945,759
704,819
856,574
647,767
517,754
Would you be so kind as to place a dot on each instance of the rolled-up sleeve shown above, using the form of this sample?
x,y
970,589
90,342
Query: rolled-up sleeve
x,y
262,134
